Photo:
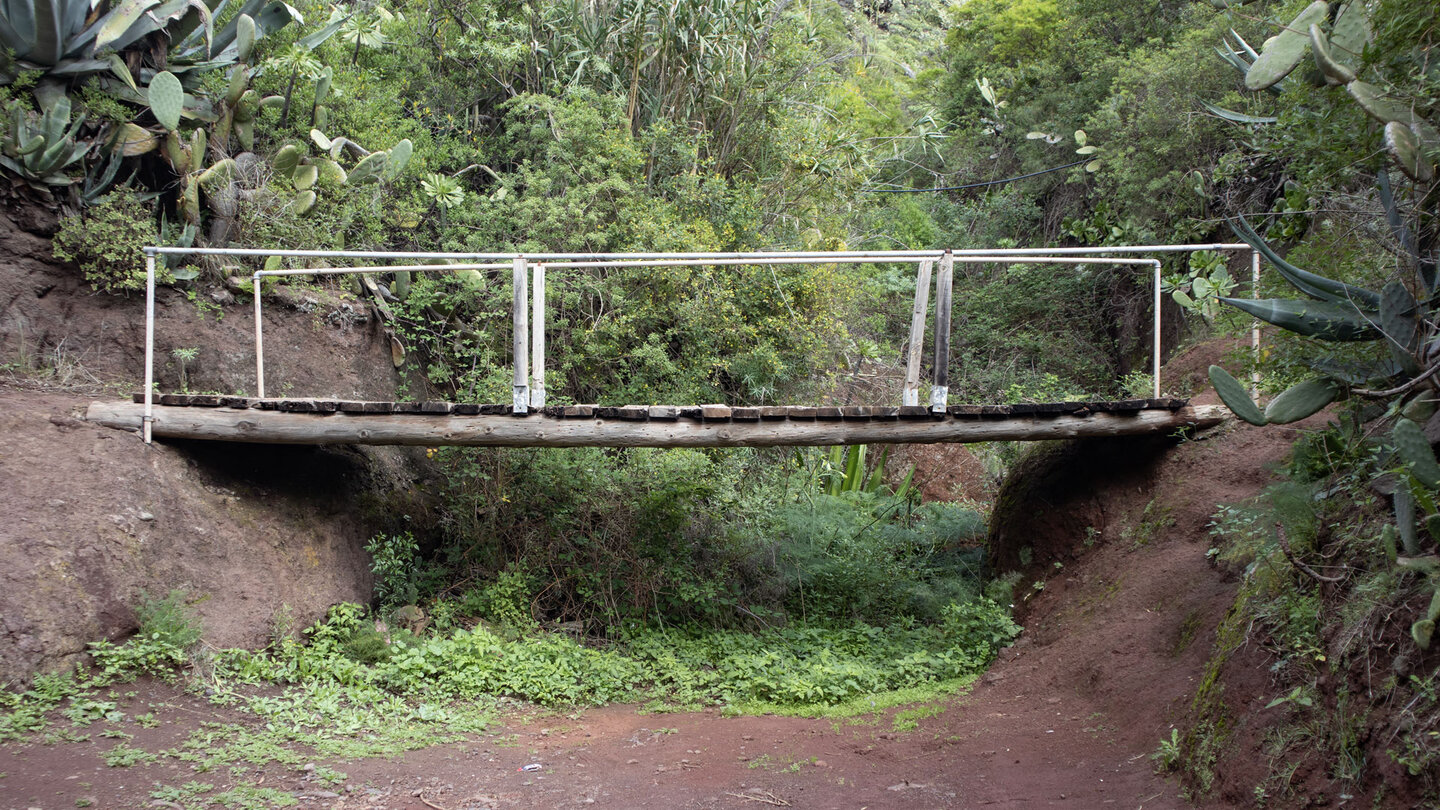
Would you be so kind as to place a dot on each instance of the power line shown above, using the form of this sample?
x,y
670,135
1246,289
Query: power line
x,y
972,185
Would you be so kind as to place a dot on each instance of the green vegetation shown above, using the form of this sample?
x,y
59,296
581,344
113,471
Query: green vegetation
x,y
810,581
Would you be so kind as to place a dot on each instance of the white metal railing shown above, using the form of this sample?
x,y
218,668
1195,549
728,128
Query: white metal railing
x,y
529,345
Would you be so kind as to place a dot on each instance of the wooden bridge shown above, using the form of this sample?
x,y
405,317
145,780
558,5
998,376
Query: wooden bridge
x,y
432,424
529,422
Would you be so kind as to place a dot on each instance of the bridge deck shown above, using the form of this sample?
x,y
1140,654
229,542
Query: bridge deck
x,y
431,424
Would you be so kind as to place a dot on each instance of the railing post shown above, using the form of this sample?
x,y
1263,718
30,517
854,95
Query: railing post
x,y
537,340
1255,324
149,417
1155,350
521,398
911,396
940,393
259,343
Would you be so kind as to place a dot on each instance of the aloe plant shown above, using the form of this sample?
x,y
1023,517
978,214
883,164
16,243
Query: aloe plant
x,y
40,148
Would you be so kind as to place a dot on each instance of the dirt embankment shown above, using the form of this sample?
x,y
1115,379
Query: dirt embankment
x,y
91,519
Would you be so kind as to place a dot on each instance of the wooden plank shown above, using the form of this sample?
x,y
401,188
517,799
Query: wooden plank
x,y
801,412
579,412
267,404
406,407
745,414
138,397
829,413
855,412
774,412
327,405
607,412
204,401
914,412
634,413
174,400
964,411
491,409
433,406
465,408
297,406
690,412
666,413
238,402
277,427
916,345
944,285
715,413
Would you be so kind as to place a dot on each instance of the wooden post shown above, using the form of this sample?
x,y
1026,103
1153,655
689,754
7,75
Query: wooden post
x,y
537,340
917,335
940,393
521,399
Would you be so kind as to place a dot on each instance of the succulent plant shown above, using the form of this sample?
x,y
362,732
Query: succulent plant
x,y
1402,316
311,174
39,148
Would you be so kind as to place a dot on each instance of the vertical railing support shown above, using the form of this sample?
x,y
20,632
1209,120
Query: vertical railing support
x,y
944,283
537,339
1155,349
259,343
149,418
520,310
1255,324
916,346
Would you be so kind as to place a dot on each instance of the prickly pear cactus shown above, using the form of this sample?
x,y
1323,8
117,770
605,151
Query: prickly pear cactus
x,y
1283,52
1233,394
167,99
1414,448
1301,400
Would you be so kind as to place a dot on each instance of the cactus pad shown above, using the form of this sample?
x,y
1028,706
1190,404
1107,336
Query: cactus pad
x,y
167,98
1233,394
1301,400
1405,148
1414,448
1335,71
1284,51
304,201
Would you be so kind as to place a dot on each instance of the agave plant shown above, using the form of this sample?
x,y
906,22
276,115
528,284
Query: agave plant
x,y
1403,315
57,36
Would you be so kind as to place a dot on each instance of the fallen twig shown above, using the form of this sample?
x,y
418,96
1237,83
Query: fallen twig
x,y
429,803
764,797
1295,561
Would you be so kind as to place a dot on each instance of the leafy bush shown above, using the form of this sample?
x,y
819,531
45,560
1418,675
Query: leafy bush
x,y
393,561
105,241
168,634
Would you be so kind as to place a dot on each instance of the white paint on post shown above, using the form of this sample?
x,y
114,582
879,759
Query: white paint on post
x,y
911,396
537,340
521,346
149,345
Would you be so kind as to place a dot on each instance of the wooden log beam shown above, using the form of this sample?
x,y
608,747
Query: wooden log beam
x,y
536,430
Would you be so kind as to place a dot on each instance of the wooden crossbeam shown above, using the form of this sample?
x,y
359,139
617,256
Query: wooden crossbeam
x,y
309,421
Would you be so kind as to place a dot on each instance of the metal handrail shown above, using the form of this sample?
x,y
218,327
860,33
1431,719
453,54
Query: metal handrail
x,y
525,395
